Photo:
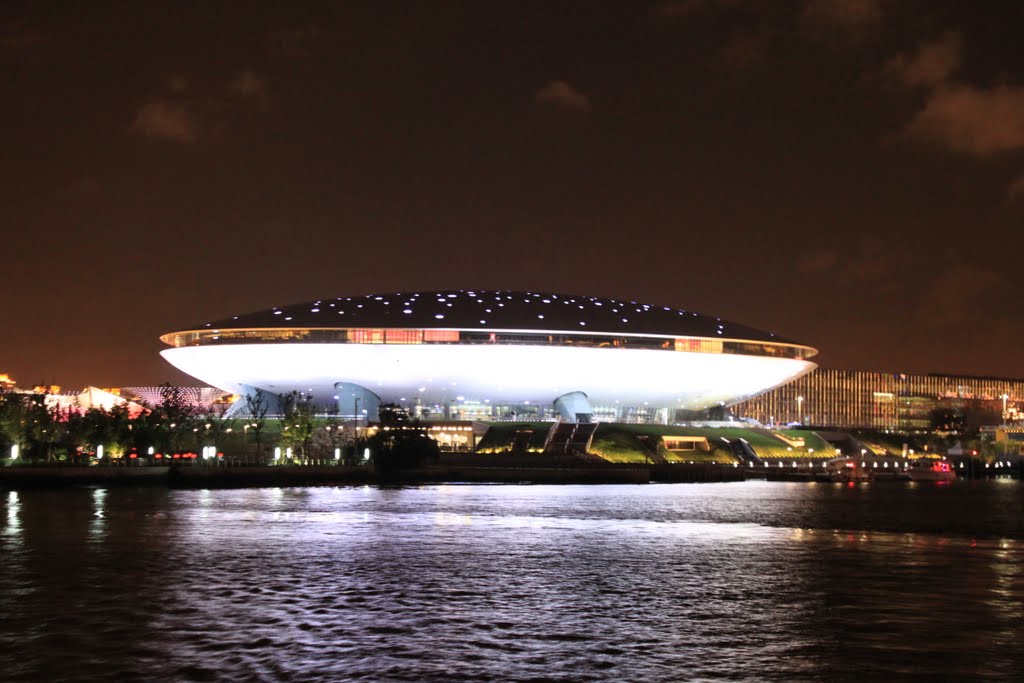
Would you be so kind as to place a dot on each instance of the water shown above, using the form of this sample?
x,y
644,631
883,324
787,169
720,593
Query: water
x,y
743,581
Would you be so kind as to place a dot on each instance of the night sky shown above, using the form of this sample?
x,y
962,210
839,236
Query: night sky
x,y
849,174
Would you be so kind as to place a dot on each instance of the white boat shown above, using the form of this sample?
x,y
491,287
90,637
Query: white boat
x,y
846,469
927,469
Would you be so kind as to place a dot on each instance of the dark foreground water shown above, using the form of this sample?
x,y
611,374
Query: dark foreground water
x,y
749,580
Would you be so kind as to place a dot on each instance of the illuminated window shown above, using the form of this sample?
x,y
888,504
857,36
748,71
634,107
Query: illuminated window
x,y
699,345
440,335
404,336
366,336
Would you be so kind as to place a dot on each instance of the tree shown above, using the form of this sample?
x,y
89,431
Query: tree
x,y
296,422
257,405
401,444
329,437
41,428
10,419
213,430
12,414
113,429
178,417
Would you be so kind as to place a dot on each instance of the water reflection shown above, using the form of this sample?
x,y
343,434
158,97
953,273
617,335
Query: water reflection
x,y
745,580
98,523
12,529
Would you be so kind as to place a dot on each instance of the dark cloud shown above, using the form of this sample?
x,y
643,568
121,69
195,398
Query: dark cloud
x,y
749,48
166,120
977,121
819,261
956,295
563,96
299,42
177,84
932,63
851,17
248,84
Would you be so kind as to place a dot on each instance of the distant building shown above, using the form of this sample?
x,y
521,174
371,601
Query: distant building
x,y
90,398
889,401
203,399
1010,440
6,383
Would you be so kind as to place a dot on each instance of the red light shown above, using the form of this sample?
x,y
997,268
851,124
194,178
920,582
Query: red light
x,y
220,455
158,456
133,455
177,455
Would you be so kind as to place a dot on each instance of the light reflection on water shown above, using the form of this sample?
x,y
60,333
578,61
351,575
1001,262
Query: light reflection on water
x,y
748,580
97,526
12,529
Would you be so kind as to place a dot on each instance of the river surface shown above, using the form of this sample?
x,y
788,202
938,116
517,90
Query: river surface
x,y
737,581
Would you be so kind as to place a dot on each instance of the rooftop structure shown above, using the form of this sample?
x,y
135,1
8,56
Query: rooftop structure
x,y
470,352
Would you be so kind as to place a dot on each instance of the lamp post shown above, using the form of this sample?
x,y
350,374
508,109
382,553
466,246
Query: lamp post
x,y
800,409
1004,397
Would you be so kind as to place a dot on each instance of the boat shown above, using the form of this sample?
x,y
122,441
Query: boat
x,y
846,469
927,469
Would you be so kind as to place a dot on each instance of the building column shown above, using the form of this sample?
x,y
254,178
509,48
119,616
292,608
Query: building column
x,y
240,408
574,407
354,400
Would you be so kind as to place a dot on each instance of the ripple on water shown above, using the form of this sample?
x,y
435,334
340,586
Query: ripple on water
x,y
739,581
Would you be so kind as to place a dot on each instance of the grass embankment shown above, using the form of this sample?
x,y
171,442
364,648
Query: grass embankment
x,y
794,443
505,437
644,443
635,443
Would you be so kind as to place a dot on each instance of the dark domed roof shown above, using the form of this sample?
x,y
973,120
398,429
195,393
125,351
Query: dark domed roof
x,y
490,309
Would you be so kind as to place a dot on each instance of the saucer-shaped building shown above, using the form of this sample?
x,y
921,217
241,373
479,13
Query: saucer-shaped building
x,y
484,353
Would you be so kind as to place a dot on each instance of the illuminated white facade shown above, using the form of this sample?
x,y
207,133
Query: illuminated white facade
x,y
426,365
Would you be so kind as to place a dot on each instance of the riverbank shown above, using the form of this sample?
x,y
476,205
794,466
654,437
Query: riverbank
x,y
451,469
310,475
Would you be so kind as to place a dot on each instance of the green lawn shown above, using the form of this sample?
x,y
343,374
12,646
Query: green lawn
x,y
624,443
501,436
